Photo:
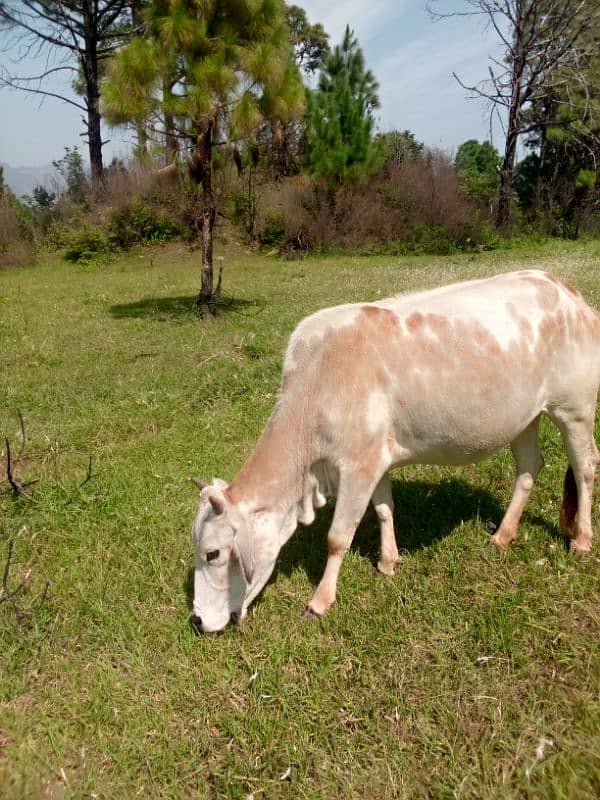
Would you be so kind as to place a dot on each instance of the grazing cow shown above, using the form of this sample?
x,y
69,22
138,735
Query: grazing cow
x,y
447,376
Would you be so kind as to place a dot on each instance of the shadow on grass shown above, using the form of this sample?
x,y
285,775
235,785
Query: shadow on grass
x,y
168,308
425,513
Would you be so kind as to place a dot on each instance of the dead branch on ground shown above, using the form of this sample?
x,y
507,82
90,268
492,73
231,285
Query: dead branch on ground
x,y
10,595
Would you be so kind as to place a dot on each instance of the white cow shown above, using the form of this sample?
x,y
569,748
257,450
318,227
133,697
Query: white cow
x,y
447,376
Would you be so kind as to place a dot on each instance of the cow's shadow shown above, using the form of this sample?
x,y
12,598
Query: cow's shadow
x,y
425,513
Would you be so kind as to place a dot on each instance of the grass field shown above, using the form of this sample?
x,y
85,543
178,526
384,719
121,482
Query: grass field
x,y
467,675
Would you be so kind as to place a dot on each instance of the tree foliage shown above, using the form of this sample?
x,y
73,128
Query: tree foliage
x,y
310,42
544,43
558,179
339,122
478,165
399,146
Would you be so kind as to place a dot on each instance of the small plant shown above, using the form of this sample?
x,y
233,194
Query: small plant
x,y
488,238
72,170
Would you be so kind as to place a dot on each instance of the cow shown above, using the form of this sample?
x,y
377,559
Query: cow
x,y
447,376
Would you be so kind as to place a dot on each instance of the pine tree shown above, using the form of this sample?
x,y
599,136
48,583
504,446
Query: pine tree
x,y
339,126
215,68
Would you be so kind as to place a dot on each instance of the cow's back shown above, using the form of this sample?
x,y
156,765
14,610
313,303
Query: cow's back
x,y
447,375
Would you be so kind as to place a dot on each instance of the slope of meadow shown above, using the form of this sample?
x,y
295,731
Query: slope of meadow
x,y
467,675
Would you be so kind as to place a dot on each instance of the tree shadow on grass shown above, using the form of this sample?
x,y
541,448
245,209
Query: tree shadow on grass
x,y
164,309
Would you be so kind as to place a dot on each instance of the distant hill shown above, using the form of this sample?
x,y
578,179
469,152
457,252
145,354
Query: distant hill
x,y
22,180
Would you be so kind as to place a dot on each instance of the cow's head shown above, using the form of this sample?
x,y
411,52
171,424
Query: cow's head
x,y
231,565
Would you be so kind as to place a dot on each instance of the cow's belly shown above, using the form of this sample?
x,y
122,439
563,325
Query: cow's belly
x,y
448,434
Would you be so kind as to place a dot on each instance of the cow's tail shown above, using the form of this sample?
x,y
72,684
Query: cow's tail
x,y
569,503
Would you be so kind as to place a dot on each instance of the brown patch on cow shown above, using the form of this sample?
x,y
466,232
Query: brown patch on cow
x,y
384,318
586,323
439,325
547,294
564,285
414,321
552,337
569,503
486,342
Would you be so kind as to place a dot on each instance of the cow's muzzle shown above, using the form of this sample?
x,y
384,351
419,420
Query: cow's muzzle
x,y
196,622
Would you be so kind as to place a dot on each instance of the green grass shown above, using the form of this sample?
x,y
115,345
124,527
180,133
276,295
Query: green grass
x,y
467,675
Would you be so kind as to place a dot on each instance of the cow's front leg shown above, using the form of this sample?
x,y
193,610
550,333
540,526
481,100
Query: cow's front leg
x,y
353,497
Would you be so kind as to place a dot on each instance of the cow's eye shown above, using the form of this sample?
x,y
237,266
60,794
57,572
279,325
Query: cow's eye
x,y
212,554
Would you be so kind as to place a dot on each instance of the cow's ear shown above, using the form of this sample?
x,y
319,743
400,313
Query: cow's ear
x,y
242,545
199,482
217,502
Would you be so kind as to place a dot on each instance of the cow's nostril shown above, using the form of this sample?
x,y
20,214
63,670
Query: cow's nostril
x,y
195,621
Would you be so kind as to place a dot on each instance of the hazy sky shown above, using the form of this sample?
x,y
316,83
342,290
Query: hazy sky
x,y
412,58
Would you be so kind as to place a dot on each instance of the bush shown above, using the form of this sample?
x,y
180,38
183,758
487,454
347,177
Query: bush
x,y
411,206
17,232
57,237
89,245
139,223
273,232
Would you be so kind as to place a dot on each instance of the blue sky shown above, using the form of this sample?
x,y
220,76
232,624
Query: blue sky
x,y
412,58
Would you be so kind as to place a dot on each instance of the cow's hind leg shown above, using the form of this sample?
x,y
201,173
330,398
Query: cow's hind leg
x,y
577,431
354,492
383,503
529,461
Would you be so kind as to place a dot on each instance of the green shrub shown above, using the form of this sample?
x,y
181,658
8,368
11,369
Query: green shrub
x,y
57,236
89,245
139,223
273,232
488,238
17,231
427,240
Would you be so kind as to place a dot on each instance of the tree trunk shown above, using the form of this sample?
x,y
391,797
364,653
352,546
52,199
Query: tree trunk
x,y
506,179
171,141
202,173
95,140
141,148
89,63
539,181
513,127
139,29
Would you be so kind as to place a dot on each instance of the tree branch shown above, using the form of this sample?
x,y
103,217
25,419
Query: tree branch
x,y
8,82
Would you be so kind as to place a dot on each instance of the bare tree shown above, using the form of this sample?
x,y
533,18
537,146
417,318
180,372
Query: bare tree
x,y
75,36
544,45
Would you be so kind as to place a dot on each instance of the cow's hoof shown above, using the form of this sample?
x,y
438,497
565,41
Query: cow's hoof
x,y
499,543
310,613
579,549
386,567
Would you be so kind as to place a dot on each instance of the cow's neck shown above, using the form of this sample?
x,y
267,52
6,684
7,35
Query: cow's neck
x,y
271,480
